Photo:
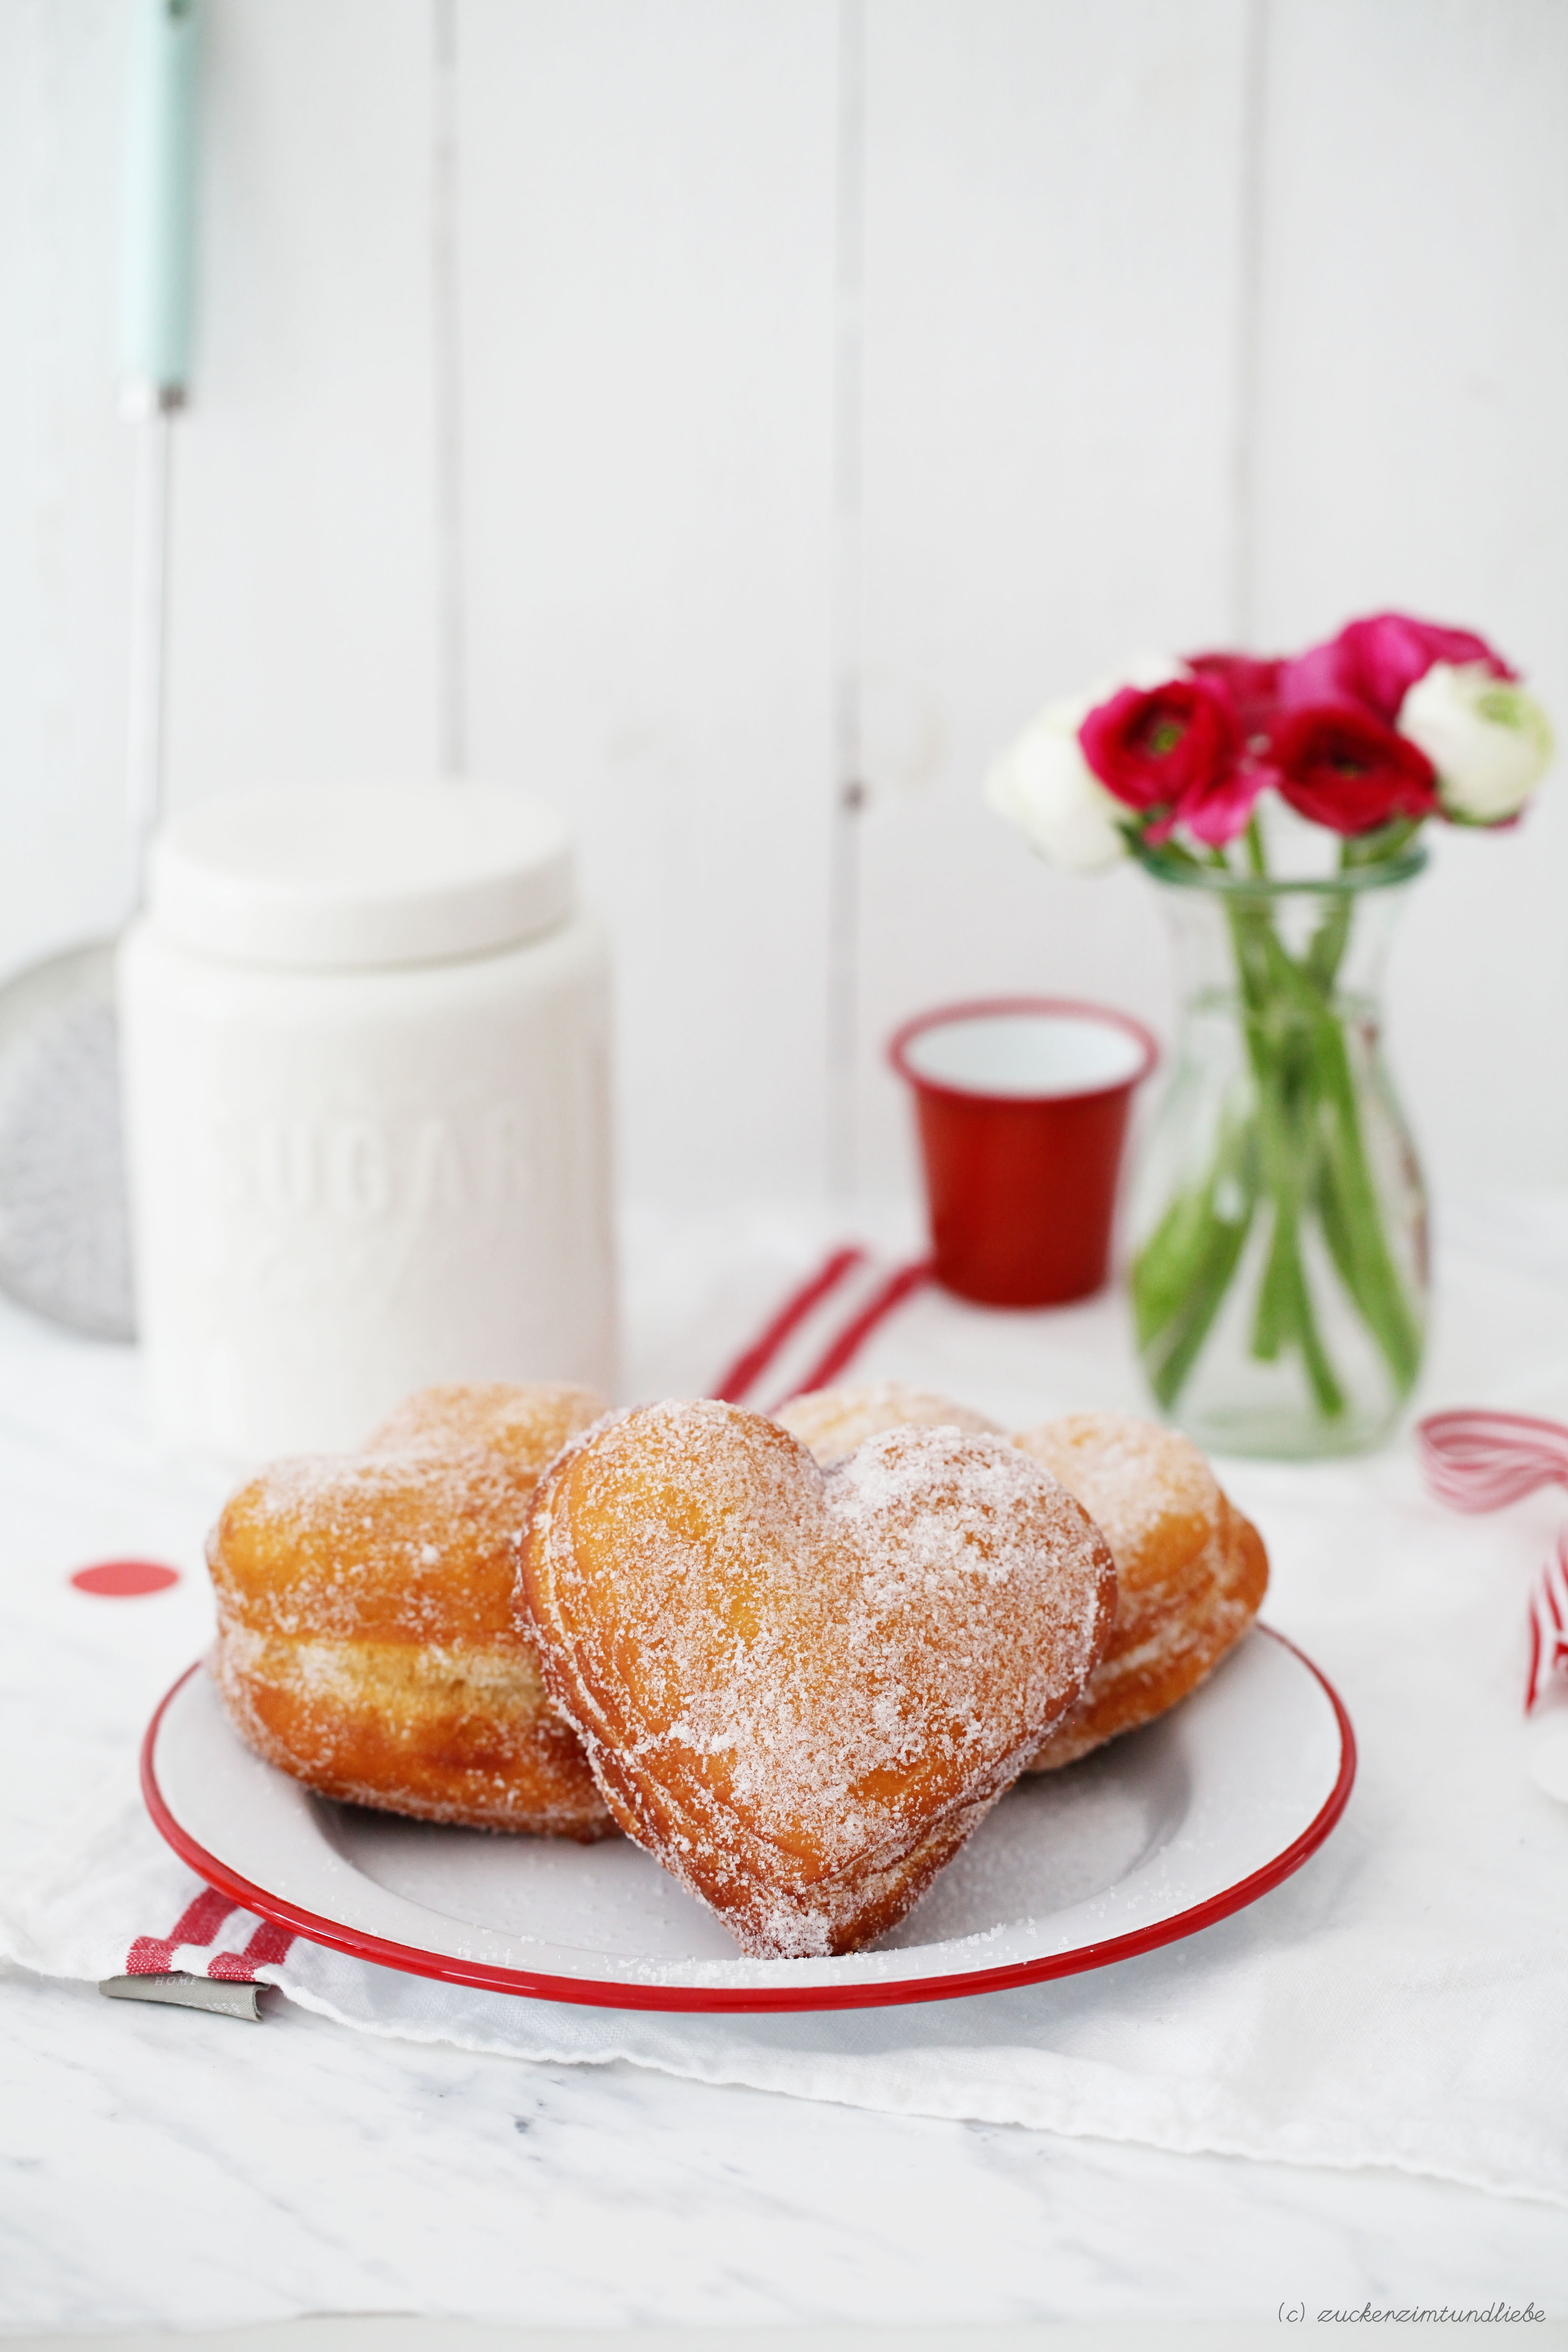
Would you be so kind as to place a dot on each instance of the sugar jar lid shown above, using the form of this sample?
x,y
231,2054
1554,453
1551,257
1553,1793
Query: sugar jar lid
x,y
361,876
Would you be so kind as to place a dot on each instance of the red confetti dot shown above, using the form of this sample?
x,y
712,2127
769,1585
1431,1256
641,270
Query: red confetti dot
x,y
117,1580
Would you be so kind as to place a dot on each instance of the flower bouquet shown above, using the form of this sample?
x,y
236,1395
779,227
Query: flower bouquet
x,y
1279,1269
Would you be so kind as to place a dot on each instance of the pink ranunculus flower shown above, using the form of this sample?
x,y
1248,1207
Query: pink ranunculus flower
x,y
1215,815
1343,769
1160,748
1373,664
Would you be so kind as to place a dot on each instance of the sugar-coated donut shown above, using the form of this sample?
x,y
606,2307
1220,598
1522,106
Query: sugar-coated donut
x,y
527,1424
371,1639
801,1690
1191,1572
833,1421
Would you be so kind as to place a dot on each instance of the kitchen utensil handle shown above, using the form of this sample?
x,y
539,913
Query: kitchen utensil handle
x,y
158,256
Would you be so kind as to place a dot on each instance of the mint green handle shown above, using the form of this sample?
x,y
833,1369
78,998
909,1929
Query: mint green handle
x,y
157,283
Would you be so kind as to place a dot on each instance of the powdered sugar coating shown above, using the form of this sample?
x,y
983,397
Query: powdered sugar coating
x,y
417,1547
801,1690
370,1639
528,1423
833,1421
1191,1571
443,1731
1149,1487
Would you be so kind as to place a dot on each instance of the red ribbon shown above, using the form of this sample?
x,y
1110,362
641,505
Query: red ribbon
x,y
1480,1462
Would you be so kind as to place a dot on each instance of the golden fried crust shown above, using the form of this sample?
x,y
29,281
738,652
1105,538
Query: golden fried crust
x,y
370,1640
529,1424
1191,1571
830,1422
799,1689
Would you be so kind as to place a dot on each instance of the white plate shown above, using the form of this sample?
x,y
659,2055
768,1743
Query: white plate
x,y
1147,1840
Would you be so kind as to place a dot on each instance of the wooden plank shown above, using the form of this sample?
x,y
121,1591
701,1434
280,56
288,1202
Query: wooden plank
x,y
1414,383
1052,275
303,629
1050,270
65,480
646,206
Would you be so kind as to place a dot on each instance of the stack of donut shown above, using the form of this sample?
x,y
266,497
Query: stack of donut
x,y
368,1634
796,1659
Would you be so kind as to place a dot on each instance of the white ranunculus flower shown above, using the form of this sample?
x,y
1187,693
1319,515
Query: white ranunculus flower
x,y
1044,783
1489,741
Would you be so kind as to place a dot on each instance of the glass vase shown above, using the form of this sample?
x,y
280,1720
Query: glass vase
x,y
1279,1220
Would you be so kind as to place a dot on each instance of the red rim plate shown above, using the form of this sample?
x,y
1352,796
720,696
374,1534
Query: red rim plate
x,y
593,1993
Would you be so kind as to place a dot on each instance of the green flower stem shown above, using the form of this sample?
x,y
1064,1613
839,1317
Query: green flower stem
x,y
1185,1267
1353,1227
1279,1053
1297,1148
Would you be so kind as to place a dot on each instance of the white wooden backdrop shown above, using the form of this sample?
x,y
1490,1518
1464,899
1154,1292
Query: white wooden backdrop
x,y
686,405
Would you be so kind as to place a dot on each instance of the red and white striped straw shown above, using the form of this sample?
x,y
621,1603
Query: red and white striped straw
x,y
1548,1625
1481,1461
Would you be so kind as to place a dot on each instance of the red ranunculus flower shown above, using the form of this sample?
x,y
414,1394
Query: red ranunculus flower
x,y
1154,747
1373,664
1341,768
1253,687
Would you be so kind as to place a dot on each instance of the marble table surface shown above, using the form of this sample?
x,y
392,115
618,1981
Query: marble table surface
x,y
168,2170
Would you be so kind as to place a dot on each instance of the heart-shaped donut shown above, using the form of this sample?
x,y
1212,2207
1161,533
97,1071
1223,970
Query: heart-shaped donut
x,y
1191,1571
801,1690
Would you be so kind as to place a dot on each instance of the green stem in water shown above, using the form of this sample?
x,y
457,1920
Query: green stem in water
x,y
1185,1267
1300,1148
1353,1226
1255,856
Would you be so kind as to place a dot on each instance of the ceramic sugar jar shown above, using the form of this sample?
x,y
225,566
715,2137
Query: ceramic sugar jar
x,y
367,1047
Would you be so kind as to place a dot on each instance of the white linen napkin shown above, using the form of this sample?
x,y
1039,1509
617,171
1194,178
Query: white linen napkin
x,y
1398,2003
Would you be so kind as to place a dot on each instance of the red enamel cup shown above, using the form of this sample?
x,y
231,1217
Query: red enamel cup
x,y
1021,1104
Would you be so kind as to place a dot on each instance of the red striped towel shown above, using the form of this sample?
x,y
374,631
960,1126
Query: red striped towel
x,y
816,1334
198,1933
